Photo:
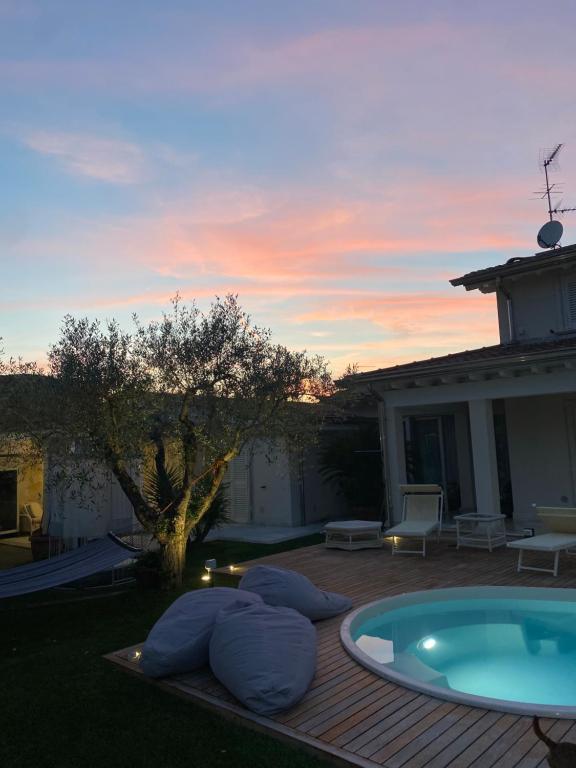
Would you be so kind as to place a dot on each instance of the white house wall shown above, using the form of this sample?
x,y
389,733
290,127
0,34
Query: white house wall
x,y
265,487
322,500
541,460
272,492
544,291
71,512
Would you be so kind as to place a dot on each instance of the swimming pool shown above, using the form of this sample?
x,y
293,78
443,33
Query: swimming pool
x,y
506,648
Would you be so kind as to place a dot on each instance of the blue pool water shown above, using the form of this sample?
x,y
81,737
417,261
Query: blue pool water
x,y
517,647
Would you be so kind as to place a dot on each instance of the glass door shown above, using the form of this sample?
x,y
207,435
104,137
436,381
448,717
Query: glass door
x,y
8,501
424,450
432,456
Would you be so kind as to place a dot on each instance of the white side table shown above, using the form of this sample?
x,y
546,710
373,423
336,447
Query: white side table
x,y
480,531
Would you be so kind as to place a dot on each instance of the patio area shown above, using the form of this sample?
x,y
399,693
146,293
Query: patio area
x,y
350,715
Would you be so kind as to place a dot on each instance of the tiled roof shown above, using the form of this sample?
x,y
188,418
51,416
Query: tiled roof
x,y
496,352
544,259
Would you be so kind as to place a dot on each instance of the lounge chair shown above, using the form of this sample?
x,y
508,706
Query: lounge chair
x,y
422,509
353,534
562,522
30,517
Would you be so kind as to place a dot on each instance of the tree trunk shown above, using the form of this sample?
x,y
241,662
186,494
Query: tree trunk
x,y
172,560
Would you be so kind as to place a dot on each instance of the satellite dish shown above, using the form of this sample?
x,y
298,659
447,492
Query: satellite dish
x,y
550,234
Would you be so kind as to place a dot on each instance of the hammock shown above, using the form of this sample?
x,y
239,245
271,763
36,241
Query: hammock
x,y
100,555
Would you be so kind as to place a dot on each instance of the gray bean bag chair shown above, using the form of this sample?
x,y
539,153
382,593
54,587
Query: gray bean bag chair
x,y
278,586
265,656
179,640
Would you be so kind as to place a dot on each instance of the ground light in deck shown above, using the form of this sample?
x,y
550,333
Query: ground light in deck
x,y
506,648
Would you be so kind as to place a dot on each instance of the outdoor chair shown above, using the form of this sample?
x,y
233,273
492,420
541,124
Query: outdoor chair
x,y
422,509
561,521
30,518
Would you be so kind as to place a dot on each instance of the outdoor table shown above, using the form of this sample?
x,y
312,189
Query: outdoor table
x,y
480,530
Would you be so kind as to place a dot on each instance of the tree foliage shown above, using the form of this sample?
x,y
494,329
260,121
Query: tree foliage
x,y
187,393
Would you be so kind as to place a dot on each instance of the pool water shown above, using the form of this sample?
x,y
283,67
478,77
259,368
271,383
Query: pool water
x,y
517,647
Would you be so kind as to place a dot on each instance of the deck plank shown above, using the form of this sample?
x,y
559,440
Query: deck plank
x,y
353,717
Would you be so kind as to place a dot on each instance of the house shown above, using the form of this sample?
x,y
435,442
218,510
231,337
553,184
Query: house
x,y
264,485
336,478
267,486
71,511
495,426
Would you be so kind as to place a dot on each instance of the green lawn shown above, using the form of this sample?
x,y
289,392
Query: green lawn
x,y
63,706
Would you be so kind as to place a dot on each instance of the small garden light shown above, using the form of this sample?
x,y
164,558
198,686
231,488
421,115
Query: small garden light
x,y
209,565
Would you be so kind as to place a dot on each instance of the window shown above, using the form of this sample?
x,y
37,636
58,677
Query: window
x,y
570,302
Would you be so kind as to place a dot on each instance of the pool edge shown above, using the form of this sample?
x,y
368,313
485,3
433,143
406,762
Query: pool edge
x,y
448,694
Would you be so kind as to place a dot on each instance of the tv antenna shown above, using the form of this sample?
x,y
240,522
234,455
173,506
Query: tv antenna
x,y
550,234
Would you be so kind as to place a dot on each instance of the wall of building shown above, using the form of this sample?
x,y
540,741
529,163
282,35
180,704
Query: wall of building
x,y
274,500
91,508
541,454
31,484
18,454
266,487
322,500
545,291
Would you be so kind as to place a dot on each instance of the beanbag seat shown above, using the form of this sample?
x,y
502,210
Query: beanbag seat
x,y
179,641
281,587
265,656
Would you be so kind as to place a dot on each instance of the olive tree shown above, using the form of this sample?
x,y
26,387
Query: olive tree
x,y
187,392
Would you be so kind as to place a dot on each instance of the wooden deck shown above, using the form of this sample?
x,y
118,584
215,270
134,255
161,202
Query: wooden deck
x,y
352,716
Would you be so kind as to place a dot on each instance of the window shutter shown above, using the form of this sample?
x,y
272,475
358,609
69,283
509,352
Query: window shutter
x,y
238,479
571,303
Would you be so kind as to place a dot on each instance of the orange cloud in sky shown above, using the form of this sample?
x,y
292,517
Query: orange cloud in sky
x,y
445,318
371,271
332,237
413,326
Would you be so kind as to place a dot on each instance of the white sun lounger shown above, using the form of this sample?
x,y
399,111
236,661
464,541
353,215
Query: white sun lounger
x,y
545,542
353,534
421,516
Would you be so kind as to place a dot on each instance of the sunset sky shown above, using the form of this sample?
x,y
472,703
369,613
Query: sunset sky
x,y
334,162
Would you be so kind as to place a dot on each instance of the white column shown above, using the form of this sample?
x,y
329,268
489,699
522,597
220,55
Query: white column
x,y
484,457
396,460
465,477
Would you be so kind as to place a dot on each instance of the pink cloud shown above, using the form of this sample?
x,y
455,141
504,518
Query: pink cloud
x,y
339,55
235,61
330,237
249,237
327,264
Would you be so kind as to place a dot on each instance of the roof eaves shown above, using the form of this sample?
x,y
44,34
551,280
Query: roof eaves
x,y
543,260
487,363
